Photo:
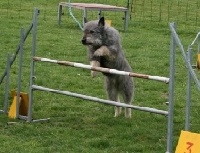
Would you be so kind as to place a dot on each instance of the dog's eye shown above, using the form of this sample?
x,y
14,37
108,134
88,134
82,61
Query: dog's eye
x,y
92,31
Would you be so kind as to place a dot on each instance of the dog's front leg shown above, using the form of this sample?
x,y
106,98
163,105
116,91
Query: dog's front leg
x,y
94,64
102,51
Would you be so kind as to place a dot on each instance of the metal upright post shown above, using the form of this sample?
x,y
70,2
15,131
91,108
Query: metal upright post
x,y
198,41
99,14
84,16
125,20
20,72
188,96
171,94
59,13
7,85
36,12
198,52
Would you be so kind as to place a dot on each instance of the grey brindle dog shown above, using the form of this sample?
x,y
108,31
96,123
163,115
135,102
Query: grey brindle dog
x,y
105,50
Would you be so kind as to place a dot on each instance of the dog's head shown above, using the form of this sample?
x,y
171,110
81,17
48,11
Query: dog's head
x,y
93,32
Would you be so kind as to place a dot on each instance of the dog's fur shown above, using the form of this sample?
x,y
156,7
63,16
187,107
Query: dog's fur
x,y
105,50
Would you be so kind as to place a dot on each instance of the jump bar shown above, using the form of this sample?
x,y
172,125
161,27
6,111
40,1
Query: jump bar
x,y
109,102
101,69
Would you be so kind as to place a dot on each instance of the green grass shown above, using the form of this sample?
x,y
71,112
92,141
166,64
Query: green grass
x,y
78,125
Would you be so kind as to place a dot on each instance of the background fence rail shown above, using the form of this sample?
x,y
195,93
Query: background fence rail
x,y
187,11
161,10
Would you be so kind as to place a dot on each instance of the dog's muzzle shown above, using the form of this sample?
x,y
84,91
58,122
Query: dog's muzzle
x,y
84,41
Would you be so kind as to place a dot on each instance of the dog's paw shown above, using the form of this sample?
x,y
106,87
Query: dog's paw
x,y
118,111
128,112
98,52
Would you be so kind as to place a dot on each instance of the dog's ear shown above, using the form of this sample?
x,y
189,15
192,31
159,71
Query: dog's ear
x,y
85,20
101,22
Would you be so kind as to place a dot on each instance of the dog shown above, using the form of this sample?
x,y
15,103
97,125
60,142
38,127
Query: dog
x,y
105,50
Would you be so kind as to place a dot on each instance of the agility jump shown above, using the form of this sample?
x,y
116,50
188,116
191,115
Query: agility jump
x,y
34,87
105,70
101,69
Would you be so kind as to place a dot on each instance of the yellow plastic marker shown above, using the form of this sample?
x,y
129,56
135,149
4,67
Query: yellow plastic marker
x,y
198,61
188,143
23,104
108,22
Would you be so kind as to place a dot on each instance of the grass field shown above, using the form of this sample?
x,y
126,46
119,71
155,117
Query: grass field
x,y
78,125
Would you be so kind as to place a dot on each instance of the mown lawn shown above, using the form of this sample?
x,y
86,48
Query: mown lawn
x,y
78,125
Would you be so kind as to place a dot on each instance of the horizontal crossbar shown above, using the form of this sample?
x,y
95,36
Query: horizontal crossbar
x,y
104,70
95,99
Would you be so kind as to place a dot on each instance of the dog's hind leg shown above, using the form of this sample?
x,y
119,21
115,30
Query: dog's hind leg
x,y
112,93
128,112
127,94
127,100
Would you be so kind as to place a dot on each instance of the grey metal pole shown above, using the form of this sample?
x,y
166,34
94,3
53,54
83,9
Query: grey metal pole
x,y
7,85
84,16
59,13
198,42
36,12
99,14
126,20
171,93
109,102
188,96
20,72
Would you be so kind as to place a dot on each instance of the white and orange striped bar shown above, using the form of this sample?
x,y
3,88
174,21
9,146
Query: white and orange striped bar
x,y
101,69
